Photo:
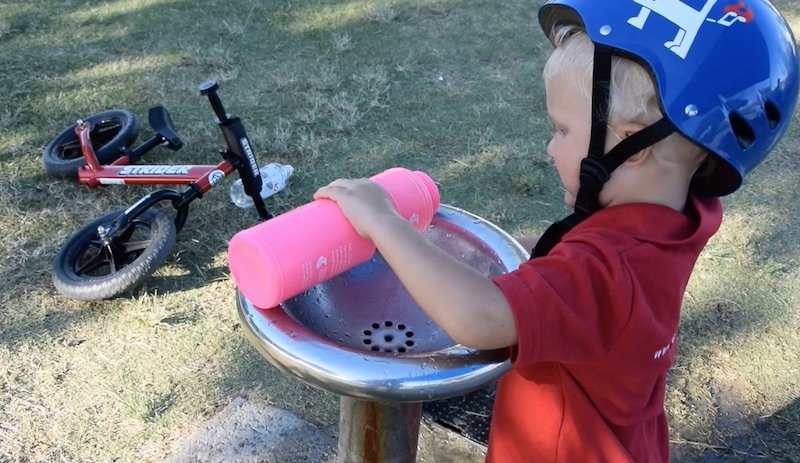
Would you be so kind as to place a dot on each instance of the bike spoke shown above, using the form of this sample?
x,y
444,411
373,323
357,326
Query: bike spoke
x,y
126,235
71,150
114,264
131,247
93,264
99,260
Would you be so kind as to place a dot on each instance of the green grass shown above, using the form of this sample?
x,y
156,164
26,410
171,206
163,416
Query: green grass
x,y
336,89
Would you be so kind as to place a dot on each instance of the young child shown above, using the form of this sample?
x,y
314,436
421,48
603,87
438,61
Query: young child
x,y
645,122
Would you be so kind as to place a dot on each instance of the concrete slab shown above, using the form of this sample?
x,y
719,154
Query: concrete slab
x,y
246,432
440,445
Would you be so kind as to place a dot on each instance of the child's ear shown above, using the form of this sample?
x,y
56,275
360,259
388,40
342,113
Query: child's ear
x,y
639,157
626,130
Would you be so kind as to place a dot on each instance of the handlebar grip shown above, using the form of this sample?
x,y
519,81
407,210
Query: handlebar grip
x,y
209,89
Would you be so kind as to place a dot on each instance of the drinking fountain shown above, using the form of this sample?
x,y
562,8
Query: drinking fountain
x,y
361,336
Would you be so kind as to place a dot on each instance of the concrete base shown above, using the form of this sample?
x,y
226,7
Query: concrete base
x,y
245,432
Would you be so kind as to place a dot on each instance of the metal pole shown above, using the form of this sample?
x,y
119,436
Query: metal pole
x,y
378,432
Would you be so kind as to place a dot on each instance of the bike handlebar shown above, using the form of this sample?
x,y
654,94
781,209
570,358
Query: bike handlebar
x,y
239,148
209,89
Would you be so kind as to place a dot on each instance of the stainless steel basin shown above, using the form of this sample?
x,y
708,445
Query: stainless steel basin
x,y
361,335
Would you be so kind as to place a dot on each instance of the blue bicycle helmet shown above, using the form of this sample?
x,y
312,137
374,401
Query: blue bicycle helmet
x,y
726,73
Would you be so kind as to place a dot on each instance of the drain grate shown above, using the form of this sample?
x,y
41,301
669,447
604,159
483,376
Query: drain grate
x,y
468,415
388,336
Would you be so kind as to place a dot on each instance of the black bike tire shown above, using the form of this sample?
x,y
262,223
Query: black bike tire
x,y
57,165
132,274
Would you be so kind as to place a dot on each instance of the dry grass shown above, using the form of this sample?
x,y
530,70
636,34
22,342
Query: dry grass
x,y
336,89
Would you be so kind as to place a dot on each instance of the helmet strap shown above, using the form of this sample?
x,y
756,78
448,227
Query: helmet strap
x,y
596,167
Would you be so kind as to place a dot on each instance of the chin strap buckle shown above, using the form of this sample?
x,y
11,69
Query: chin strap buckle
x,y
594,174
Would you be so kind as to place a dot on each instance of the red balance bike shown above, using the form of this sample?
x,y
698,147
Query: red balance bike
x,y
118,251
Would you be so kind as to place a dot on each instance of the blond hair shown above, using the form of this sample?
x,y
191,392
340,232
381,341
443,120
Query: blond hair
x,y
632,92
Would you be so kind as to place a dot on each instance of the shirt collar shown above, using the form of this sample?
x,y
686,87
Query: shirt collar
x,y
655,222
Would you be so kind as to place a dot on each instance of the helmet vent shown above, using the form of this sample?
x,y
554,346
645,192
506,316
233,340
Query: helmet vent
x,y
773,114
744,133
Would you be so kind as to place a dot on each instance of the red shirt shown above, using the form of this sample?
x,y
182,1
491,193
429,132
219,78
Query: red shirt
x,y
596,324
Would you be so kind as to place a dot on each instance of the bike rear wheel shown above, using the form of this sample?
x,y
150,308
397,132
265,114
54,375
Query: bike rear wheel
x,y
111,132
87,269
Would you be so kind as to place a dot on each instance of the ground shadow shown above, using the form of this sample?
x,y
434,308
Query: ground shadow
x,y
773,438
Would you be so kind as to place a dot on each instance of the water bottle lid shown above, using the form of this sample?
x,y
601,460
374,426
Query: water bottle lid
x,y
433,190
253,269
289,170
413,193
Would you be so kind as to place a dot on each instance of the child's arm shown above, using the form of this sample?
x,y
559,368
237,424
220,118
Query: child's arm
x,y
466,304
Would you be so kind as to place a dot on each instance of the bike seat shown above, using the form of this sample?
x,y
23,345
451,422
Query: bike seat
x,y
162,123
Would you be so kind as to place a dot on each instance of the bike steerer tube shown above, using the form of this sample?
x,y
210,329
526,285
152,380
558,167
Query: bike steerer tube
x,y
239,152
237,141
83,130
239,146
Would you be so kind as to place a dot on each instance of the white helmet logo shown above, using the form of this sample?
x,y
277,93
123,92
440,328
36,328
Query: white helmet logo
x,y
687,19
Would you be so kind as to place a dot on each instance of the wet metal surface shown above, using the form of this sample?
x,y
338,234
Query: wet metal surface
x,y
361,335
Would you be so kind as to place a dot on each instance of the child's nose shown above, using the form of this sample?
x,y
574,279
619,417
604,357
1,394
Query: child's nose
x,y
551,150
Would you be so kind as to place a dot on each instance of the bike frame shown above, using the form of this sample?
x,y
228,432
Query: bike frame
x,y
238,157
94,262
120,172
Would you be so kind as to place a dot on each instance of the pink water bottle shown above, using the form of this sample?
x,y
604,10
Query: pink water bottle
x,y
284,256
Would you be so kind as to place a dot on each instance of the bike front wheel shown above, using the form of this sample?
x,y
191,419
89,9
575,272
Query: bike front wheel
x,y
111,132
89,269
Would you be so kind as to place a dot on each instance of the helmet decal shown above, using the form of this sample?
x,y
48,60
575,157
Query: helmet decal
x,y
688,20
739,12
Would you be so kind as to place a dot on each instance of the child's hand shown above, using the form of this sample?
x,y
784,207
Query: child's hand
x,y
365,203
